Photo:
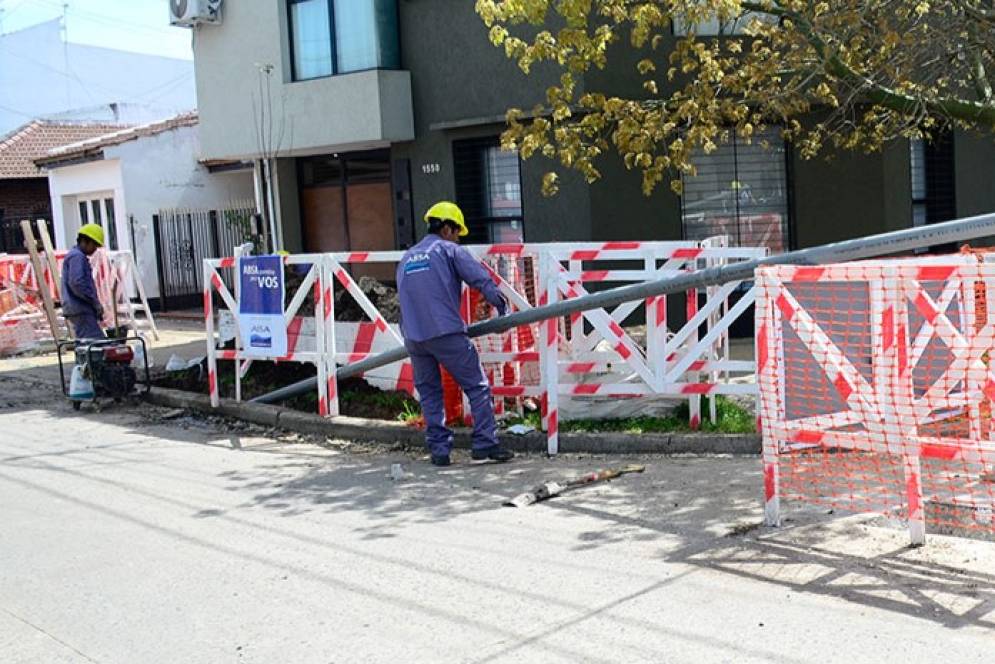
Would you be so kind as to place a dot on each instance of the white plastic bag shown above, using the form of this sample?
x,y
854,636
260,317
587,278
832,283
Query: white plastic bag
x,y
176,363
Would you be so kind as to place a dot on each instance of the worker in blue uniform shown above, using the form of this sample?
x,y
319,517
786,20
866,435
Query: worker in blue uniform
x,y
429,283
80,304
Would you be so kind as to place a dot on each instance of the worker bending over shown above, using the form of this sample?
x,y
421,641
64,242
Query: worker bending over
x,y
429,283
80,304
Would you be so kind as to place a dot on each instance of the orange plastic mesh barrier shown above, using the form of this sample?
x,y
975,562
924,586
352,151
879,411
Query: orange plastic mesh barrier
x,y
452,398
876,390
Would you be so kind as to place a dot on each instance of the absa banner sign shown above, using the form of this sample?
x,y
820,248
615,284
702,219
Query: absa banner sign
x,y
261,306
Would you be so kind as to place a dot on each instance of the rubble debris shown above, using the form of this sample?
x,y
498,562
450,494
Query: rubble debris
x,y
383,297
293,277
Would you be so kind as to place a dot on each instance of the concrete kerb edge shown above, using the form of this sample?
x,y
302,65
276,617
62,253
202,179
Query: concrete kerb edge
x,y
378,431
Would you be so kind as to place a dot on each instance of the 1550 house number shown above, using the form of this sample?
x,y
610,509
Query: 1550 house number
x,y
430,169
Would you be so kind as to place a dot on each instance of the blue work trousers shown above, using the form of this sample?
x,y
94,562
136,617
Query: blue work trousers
x,y
86,326
457,354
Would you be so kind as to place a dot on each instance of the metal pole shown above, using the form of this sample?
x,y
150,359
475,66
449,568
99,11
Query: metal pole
x,y
883,244
274,224
160,259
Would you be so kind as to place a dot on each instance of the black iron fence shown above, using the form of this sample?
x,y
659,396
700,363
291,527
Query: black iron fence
x,y
12,238
184,238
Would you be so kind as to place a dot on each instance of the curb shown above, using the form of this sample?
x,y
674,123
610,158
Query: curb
x,y
393,433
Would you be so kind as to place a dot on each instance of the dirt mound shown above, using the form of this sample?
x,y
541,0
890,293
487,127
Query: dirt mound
x,y
383,297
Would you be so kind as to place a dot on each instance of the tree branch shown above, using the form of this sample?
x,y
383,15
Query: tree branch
x,y
981,83
881,95
983,15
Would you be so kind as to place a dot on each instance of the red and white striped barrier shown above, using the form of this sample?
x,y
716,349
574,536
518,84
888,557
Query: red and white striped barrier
x,y
607,361
313,285
590,355
114,274
876,389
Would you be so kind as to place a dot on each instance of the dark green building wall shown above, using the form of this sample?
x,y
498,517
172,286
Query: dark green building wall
x,y
845,194
974,173
621,211
463,88
852,194
462,85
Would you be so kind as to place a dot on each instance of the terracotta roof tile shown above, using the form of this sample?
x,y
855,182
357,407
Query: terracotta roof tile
x,y
124,135
21,147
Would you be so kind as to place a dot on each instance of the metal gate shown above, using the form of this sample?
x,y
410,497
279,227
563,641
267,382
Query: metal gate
x,y
184,238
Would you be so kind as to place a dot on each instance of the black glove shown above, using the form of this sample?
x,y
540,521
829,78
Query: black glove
x,y
502,309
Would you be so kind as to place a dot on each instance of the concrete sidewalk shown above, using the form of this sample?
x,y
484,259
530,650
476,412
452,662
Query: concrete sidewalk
x,y
126,538
187,340
181,337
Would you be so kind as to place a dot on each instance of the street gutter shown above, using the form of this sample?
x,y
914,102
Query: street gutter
x,y
392,433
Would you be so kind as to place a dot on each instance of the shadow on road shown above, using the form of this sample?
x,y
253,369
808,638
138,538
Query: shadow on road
x,y
703,513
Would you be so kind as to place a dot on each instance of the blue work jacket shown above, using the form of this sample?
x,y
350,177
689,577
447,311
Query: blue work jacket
x,y
429,279
79,294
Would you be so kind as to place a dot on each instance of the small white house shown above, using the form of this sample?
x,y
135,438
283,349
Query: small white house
x,y
120,180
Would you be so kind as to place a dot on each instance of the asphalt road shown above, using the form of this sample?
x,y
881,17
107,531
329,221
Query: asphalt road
x,y
128,538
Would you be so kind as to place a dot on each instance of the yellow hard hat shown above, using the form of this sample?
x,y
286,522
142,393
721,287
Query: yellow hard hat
x,y
447,211
94,232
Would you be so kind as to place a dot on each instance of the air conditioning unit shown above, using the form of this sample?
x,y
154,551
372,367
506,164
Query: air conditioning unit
x,y
189,13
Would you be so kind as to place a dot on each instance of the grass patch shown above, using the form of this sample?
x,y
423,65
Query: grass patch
x,y
732,418
358,399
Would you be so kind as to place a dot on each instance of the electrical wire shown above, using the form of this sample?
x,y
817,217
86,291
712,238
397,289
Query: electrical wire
x,y
107,20
7,13
117,94
16,112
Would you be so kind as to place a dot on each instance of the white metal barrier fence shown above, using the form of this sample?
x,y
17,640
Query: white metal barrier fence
x,y
586,355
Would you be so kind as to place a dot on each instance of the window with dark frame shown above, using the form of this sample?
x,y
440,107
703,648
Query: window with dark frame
x,y
932,174
740,190
489,190
111,225
330,37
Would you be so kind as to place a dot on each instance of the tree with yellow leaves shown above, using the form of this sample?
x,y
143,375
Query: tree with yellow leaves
x,y
850,73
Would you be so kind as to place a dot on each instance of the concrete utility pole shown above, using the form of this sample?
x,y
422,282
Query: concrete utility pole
x,y
883,244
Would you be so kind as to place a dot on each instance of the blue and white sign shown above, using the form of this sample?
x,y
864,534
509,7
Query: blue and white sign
x,y
261,306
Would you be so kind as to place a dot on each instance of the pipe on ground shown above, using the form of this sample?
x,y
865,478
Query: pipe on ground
x,y
883,244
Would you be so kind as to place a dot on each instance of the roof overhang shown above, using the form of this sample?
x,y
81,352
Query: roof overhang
x,y
225,165
59,161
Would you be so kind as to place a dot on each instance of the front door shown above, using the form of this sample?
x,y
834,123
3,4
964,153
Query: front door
x,y
347,205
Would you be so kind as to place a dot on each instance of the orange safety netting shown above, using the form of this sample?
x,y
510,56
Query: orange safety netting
x,y
876,389
520,273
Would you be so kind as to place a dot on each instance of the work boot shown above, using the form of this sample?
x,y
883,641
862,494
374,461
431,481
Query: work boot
x,y
496,454
440,461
